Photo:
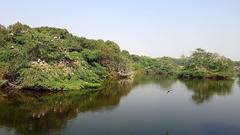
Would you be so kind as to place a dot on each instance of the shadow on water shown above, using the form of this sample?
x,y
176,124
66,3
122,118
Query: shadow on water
x,y
204,90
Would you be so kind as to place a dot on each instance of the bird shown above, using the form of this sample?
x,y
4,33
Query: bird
x,y
169,91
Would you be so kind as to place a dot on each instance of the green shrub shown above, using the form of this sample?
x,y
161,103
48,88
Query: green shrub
x,y
202,64
52,58
159,66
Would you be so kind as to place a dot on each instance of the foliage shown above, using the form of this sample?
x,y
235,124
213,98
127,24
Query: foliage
x,y
52,58
159,66
180,61
237,63
237,67
202,64
164,66
2,83
3,36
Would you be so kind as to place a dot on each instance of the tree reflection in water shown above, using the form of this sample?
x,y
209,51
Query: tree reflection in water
x,y
204,90
165,82
239,80
38,114
31,113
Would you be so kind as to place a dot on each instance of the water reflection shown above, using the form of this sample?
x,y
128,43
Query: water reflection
x,y
164,82
239,80
30,113
204,90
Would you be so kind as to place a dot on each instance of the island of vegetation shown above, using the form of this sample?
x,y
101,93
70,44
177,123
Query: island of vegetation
x,y
47,58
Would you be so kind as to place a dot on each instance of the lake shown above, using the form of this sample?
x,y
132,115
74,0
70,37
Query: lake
x,y
143,106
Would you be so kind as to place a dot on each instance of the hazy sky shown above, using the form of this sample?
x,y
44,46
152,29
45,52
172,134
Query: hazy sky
x,y
144,27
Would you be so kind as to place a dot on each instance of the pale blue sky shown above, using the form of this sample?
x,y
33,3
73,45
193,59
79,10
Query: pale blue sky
x,y
144,27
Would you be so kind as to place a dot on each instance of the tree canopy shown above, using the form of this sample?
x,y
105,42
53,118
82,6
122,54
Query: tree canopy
x,y
202,64
45,57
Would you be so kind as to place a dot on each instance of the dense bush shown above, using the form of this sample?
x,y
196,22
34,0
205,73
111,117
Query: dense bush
x,y
52,58
164,66
202,64
157,66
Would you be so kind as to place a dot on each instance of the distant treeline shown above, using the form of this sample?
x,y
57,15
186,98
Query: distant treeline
x,y
200,65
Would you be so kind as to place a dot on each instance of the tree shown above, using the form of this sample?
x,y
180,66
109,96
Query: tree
x,y
202,64
54,59
18,28
3,36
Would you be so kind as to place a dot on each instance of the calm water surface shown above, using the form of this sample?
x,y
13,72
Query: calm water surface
x,y
144,106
